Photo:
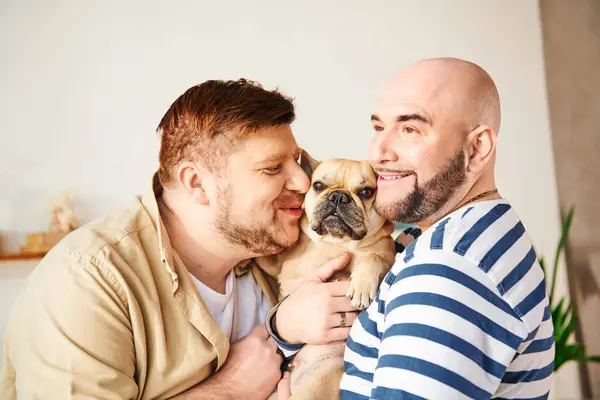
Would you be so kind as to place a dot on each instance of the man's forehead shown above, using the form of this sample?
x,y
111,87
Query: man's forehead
x,y
403,97
273,146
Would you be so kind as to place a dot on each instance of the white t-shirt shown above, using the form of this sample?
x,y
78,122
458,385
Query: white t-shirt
x,y
238,311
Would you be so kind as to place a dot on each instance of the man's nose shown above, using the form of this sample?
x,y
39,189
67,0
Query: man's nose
x,y
298,180
381,149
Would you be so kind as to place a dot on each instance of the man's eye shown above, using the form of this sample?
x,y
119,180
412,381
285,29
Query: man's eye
x,y
272,170
378,128
409,129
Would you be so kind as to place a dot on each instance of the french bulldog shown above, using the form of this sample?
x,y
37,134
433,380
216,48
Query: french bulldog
x,y
338,217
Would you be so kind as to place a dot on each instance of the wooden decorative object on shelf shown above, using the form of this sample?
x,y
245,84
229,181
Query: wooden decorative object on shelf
x,y
62,221
42,242
21,256
62,214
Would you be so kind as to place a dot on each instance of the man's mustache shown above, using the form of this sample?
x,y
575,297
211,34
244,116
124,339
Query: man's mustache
x,y
289,200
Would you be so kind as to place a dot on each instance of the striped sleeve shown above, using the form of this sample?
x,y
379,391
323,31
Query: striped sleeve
x,y
447,333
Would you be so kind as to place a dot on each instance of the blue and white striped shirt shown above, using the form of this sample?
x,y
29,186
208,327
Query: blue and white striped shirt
x,y
462,314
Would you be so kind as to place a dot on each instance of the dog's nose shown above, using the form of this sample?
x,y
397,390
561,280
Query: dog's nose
x,y
338,197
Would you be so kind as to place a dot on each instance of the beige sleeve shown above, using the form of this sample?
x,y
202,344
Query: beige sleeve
x,y
70,336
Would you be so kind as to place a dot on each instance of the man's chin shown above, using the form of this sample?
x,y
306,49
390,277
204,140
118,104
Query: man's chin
x,y
290,236
388,209
280,241
288,231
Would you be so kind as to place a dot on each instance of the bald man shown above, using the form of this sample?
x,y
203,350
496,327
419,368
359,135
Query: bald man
x,y
463,314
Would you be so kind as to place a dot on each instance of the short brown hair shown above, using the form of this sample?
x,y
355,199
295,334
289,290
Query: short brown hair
x,y
206,121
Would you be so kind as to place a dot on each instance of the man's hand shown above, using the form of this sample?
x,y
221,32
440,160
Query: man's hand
x,y
251,371
284,391
253,365
312,314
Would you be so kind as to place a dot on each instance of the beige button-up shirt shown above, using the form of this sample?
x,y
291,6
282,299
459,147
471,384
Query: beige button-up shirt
x,y
112,313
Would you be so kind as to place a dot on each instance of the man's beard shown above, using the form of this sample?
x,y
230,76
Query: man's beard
x,y
258,237
424,201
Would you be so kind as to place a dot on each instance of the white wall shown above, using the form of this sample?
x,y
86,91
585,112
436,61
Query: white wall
x,y
84,84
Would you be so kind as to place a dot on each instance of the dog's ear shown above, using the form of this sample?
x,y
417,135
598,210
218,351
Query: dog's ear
x,y
308,163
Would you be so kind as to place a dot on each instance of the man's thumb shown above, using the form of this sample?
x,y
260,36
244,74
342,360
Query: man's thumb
x,y
327,270
283,387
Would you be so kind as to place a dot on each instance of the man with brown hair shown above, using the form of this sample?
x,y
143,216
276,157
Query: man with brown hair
x,y
161,299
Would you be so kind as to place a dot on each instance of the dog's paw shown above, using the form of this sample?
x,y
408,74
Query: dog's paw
x,y
362,291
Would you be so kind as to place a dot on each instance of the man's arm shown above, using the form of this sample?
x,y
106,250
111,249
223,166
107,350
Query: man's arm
x,y
214,388
447,334
312,313
251,371
70,334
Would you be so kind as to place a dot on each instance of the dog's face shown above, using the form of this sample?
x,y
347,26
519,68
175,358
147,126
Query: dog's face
x,y
340,201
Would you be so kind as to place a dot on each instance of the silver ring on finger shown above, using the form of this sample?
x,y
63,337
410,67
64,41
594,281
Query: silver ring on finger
x,y
342,319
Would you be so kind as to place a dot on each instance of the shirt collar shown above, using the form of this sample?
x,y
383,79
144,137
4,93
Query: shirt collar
x,y
150,202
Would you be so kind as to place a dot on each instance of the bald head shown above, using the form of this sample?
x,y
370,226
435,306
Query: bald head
x,y
453,91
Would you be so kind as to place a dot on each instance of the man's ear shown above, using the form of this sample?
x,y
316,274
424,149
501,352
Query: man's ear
x,y
192,178
482,147
308,163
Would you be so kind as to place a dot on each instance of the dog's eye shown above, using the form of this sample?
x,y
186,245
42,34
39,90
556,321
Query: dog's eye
x,y
366,193
318,186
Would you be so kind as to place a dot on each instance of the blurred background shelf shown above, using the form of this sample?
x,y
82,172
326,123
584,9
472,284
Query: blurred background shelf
x,y
21,256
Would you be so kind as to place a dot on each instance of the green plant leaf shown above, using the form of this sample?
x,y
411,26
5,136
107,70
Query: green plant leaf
x,y
564,317
566,314
542,263
595,359
570,352
557,314
578,354
560,321
566,227
565,332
